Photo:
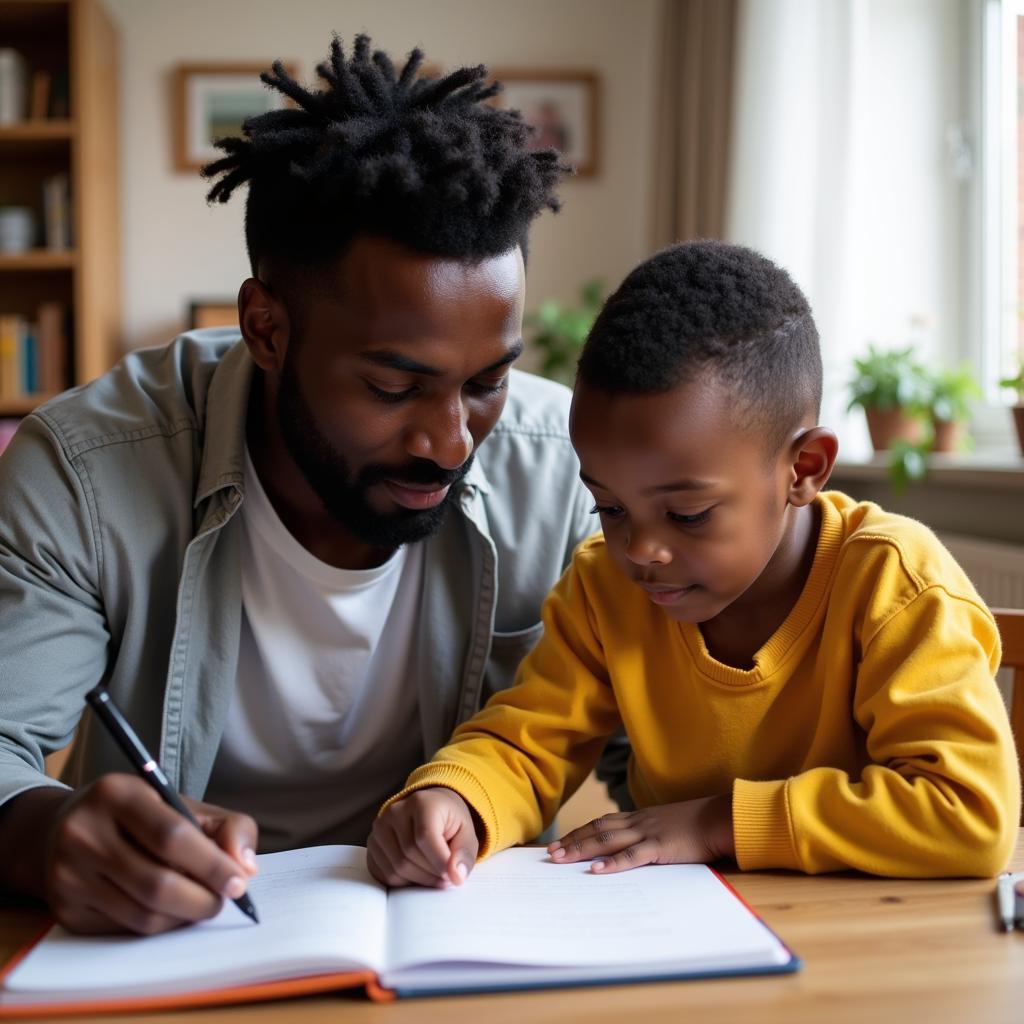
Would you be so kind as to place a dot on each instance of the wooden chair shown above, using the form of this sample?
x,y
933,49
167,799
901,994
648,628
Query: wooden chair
x,y
1011,630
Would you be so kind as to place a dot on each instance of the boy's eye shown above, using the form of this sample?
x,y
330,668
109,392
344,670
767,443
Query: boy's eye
x,y
695,520
608,511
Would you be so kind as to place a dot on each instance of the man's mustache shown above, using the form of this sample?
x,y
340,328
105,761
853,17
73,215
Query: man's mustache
x,y
419,471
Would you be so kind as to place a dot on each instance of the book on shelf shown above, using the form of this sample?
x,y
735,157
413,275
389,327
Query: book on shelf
x,y
520,921
39,96
51,347
33,354
13,86
57,211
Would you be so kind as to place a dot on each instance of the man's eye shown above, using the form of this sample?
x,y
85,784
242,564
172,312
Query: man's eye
x,y
390,396
695,520
487,387
608,511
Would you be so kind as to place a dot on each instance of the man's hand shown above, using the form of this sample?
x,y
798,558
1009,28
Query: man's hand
x,y
117,858
428,839
692,832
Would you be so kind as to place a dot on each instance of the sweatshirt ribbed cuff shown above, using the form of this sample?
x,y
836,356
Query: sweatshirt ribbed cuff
x,y
761,827
455,777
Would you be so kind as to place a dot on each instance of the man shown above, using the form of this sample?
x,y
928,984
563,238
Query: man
x,y
288,557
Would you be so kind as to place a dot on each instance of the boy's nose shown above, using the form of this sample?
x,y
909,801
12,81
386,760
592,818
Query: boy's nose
x,y
643,548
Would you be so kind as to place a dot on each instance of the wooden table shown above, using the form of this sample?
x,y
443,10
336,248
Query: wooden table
x,y
874,950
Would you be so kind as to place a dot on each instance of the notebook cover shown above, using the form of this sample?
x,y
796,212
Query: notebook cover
x,y
250,993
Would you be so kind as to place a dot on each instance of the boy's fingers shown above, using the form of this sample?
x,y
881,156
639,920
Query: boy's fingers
x,y
426,837
391,857
464,849
631,857
602,844
598,827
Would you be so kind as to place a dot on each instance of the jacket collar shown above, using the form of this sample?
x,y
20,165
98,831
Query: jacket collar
x,y
224,417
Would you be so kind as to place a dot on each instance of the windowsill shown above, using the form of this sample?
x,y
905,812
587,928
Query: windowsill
x,y
1000,468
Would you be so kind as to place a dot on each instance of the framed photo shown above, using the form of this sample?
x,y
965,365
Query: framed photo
x,y
212,102
212,313
562,106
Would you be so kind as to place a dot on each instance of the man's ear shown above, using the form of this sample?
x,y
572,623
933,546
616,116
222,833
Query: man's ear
x,y
265,325
812,454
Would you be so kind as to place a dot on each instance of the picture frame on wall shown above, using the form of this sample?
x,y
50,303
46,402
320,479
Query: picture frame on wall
x,y
212,313
563,106
212,100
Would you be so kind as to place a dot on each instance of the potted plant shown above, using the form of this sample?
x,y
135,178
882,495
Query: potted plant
x,y
1017,383
952,392
892,389
561,330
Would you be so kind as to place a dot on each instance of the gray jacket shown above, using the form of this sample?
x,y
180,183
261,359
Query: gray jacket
x,y
119,562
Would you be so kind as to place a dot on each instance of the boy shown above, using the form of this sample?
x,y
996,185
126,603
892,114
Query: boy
x,y
807,682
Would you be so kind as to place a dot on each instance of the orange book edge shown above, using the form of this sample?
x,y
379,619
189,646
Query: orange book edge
x,y
260,991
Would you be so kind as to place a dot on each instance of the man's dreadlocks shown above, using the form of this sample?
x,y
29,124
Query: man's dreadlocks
x,y
424,161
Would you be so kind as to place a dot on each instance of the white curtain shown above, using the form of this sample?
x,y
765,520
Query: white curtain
x,y
797,168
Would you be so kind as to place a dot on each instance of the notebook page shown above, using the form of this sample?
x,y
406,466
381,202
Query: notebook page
x,y
520,908
319,910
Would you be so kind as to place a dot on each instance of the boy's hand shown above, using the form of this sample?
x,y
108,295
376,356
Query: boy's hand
x,y
692,832
426,839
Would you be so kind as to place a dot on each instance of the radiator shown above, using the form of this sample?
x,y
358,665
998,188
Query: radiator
x,y
996,569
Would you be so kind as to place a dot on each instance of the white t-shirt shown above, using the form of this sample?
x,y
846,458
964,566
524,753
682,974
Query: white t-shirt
x,y
324,722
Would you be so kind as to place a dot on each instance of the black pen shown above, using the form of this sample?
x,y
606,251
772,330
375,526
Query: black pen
x,y
145,764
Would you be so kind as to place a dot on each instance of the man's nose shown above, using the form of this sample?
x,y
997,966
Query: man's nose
x,y
442,435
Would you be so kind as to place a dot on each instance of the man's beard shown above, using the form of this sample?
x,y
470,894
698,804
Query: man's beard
x,y
344,495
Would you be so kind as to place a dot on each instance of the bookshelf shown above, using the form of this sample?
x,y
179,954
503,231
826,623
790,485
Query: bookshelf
x,y
67,130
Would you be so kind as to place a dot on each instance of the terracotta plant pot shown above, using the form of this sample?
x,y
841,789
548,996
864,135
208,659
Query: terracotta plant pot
x,y
946,435
888,425
1018,419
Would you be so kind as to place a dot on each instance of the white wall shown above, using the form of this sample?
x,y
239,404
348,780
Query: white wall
x,y
177,248
841,173
916,244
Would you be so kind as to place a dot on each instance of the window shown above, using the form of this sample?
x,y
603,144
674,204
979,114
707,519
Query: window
x,y
1002,268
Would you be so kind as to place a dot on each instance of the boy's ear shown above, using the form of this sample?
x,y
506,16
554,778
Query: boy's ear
x,y
264,323
812,456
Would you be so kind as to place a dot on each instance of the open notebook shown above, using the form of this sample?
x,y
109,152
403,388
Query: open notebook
x,y
519,922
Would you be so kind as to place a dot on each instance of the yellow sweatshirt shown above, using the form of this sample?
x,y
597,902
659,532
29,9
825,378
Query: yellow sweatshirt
x,y
870,733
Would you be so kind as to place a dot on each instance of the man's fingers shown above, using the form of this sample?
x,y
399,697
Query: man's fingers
x,y
235,833
108,908
164,834
157,888
631,857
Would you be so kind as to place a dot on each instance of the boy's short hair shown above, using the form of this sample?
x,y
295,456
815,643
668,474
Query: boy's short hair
x,y
709,307
425,161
